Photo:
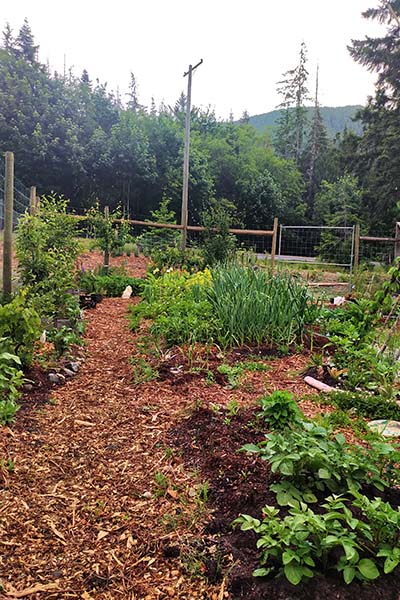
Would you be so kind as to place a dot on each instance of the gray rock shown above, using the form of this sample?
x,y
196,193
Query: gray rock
x,y
73,366
54,378
27,387
68,372
147,495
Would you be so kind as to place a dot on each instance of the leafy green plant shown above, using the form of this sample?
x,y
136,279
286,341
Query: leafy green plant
x,y
233,373
20,324
47,249
11,380
142,370
218,243
366,405
312,462
254,307
111,284
172,257
8,410
280,410
111,232
156,238
305,543
63,339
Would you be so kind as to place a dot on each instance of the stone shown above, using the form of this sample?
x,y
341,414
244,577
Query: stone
x,y
385,427
127,293
27,387
72,366
54,378
147,495
68,372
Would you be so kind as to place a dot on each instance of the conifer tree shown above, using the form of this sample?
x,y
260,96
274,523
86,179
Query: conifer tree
x,y
24,44
292,123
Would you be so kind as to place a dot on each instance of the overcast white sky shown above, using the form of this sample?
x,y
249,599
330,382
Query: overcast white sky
x,y
246,46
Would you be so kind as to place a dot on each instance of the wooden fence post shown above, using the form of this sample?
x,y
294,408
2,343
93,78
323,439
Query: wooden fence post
x,y
356,258
397,242
274,241
8,223
107,249
32,201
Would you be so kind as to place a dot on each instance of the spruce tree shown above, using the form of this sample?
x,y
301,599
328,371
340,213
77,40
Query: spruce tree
x,y
382,54
24,44
292,123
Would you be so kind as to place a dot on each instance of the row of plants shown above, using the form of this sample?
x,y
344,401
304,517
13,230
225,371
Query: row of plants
x,y
364,340
46,248
230,305
330,514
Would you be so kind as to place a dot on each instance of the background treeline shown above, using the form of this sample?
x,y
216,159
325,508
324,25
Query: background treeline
x,y
73,136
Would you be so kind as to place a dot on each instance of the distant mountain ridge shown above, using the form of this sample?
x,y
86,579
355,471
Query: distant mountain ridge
x,y
336,119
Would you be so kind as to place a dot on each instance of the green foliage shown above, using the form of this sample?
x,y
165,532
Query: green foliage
x,y
366,405
172,257
63,339
338,204
20,324
280,410
312,462
304,543
156,239
142,371
254,307
47,249
179,308
353,331
8,410
234,374
11,376
111,233
218,243
111,284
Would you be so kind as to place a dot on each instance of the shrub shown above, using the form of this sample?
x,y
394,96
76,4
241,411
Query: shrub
x,y
11,379
311,463
47,249
20,324
366,405
304,543
111,284
280,410
218,243
111,233
157,238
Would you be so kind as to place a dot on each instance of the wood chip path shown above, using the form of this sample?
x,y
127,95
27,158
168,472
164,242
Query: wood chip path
x,y
75,519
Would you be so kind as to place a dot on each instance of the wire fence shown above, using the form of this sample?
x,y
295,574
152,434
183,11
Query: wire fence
x,y
21,198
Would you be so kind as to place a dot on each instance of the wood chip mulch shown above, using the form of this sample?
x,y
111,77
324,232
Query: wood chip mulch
x,y
81,515
101,504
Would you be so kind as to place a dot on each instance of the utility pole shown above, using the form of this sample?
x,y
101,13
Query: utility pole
x,y
185,187
8,223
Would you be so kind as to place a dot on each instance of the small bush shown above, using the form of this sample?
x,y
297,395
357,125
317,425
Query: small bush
x,y
20,324
111,284
280,410
366,405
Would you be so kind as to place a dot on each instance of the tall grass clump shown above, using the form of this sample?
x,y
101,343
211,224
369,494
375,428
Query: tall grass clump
x,y
255,307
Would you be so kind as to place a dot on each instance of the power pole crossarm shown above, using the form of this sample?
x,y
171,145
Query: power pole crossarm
x,y
185,186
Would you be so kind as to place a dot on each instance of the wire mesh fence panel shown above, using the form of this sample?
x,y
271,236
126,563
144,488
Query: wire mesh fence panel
x,y
21,199
316,244
377,252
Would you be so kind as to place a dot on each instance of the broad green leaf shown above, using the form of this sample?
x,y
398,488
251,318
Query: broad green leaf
x,y
293,573
261,572
390,564
349,574
368,568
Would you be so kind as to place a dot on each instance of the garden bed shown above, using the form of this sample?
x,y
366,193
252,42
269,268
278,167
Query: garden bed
x,y
239,483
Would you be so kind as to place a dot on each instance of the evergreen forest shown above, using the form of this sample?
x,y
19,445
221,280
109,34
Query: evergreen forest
x,y
74,136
